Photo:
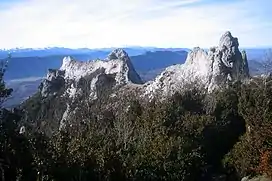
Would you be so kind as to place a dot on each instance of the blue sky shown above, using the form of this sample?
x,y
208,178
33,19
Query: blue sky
x,y
119,23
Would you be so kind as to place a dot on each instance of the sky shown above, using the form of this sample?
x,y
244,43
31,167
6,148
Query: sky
x,y
122,23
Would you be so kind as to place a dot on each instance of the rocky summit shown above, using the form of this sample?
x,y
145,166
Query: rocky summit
x,y
210,70
116,68
76,82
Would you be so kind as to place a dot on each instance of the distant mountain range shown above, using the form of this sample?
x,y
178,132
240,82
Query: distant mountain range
x,y
96,53
37,66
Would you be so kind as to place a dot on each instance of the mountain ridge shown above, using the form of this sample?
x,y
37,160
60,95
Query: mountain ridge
x,y
115,77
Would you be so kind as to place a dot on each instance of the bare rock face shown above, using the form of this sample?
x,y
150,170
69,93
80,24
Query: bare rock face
x,y
118,63
127,68
73,74
228,62
53,83
208,70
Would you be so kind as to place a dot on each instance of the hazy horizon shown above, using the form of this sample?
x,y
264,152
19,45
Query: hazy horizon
x,y
132,47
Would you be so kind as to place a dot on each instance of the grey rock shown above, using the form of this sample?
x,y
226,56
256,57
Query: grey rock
x,y
228,62
207,70
53,82
117,65
118,54
127,66
244,67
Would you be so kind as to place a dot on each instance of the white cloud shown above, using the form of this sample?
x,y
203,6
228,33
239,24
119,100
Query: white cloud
x,y
114,23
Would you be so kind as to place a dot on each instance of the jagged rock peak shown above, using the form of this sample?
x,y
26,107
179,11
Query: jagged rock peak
x,y
210,70
96,72
118,54
197,54
227,40
117,63
66,61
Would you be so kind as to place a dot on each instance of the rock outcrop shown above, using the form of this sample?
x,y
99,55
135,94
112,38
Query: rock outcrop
x,y
118,63
209,70
117,69
53,83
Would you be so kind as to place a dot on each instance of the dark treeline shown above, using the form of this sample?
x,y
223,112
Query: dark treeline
x,y
191,136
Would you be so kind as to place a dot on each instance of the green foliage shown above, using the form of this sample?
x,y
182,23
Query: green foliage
x,y
171,140
4,92
41,113
256,108
15,160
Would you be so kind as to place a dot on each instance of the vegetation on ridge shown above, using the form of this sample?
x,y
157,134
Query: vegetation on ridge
x,y
190,136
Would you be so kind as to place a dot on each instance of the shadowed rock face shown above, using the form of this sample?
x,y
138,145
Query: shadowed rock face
x,y
53,83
